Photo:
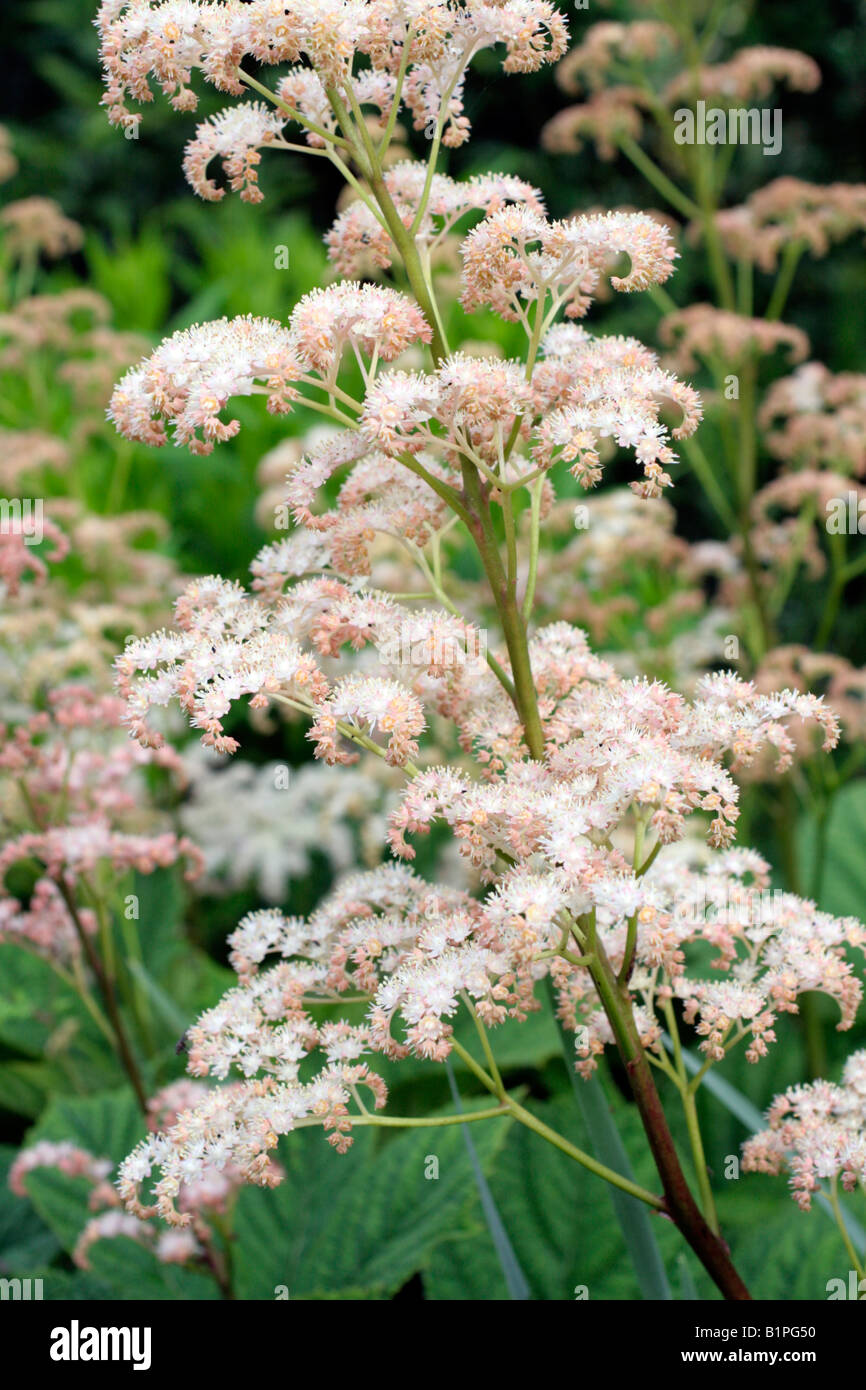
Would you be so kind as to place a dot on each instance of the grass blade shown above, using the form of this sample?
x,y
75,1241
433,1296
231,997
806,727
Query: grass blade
x,y
515,1279
632,1215
608,1147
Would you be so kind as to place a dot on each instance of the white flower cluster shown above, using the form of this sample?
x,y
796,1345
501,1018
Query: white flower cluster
x,y
288,816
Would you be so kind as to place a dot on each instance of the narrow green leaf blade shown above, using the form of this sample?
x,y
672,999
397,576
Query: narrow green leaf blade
x,y
515,1279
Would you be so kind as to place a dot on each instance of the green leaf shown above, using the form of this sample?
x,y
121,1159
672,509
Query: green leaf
x,y
108,1125
134,275
608,1148
842,878
562,1227
360,1224
35,1002
527,1044
24,1087
632,1215
62,1203
43,1019
792,1257
132,1271
515,1279
127,1269
170,1013
178,980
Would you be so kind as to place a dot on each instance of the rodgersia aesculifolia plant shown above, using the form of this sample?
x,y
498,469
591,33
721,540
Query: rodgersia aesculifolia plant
x,y
596,810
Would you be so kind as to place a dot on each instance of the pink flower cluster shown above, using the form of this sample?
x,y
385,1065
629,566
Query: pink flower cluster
x,y
816,416
207,1195
433,39
623,68
817,1133
231,645
18,553
358,238
72,804
516,256
193,375
65,1157
418,953
789,212
702,330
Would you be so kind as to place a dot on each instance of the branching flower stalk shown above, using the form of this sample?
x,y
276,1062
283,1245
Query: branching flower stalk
x,y
679,1203
662,70
567,782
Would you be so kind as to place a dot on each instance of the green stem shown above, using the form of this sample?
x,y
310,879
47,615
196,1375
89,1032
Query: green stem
x,y
488,1051
690,1110
833,1196
631,925
346,730
839,572
429,1122
437,592
678,1201
703,470
330,136
586,1160
790,260
558,1140
513,626
534,541
659,179
476,515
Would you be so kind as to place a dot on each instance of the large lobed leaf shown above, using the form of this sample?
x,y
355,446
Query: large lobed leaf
x,y
360,1224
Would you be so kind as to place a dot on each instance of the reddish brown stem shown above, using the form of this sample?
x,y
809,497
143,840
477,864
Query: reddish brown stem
x,y
681,1206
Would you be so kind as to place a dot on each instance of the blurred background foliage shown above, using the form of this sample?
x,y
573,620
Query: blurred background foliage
x,y
164,260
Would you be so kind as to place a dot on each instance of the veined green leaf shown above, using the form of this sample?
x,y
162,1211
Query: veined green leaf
x,y
359,1224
